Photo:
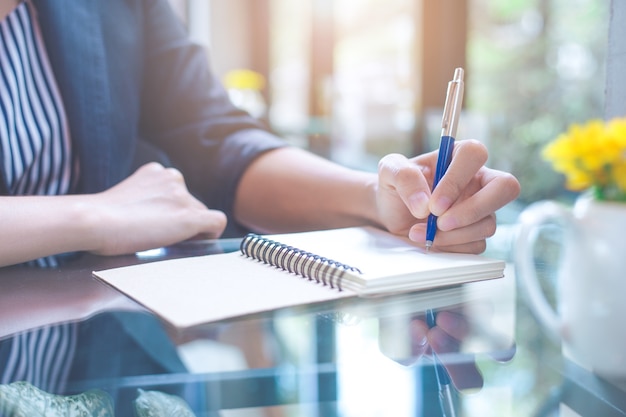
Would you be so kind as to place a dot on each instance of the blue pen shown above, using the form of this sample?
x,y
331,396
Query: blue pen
x,y
449,123
443,379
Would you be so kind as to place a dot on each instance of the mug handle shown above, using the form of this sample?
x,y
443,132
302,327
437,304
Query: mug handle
x,y
530,221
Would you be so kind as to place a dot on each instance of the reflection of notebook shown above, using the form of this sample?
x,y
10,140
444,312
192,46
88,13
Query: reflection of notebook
x,y
307,268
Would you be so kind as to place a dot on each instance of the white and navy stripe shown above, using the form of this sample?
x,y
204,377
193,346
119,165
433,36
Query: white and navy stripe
x,y
42,357
35,159
36,148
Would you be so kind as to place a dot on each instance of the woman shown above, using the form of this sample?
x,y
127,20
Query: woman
x,y
115,137
128,88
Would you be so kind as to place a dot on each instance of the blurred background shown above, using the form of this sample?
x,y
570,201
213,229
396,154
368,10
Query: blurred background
x,y
353,80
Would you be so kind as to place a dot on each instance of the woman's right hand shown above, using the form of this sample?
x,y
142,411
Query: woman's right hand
x,y
151,208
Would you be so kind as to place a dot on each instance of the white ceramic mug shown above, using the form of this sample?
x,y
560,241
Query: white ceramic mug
x,y
591,290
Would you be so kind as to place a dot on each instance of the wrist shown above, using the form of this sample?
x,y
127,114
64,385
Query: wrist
x,y
371,210
86,223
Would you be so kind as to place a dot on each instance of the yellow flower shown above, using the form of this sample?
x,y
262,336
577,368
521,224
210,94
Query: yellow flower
x,y
592,155
244,79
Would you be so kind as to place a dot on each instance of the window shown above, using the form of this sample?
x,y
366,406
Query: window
x,y
356,79
536,67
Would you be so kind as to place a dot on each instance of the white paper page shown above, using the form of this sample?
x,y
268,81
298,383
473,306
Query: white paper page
x,y
391,263
203,289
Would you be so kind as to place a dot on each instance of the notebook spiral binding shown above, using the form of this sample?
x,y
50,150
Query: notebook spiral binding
x,y
297,261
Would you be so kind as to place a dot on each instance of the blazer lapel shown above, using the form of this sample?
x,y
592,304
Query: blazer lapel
x,y
73,36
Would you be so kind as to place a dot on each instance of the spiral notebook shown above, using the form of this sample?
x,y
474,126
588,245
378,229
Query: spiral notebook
x,y
278,271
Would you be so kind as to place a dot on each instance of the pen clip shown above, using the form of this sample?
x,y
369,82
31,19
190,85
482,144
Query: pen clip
x,y
452,106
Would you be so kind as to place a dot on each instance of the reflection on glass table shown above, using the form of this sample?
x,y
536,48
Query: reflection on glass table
x,y
352,357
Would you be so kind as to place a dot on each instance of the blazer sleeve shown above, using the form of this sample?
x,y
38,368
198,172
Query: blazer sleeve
x,y
187,113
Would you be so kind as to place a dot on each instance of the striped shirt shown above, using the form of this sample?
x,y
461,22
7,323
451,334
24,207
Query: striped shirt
x,y
35,145
35,159
42,357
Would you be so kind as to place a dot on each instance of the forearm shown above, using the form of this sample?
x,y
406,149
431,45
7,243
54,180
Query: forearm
x,y
290,190
37,226
149,209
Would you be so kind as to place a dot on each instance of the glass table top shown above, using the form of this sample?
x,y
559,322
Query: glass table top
x,y
353,357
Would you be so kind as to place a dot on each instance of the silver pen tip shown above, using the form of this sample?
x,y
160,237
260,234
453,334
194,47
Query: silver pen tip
x,y
429,244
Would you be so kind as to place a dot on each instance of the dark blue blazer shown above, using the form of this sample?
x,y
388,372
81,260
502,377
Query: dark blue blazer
x,y
136,89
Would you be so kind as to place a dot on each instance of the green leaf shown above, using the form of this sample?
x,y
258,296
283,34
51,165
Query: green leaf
x,y
21,399
158,404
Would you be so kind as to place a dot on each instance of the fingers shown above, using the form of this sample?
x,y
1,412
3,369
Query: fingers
x,y
479,190
211,224
192,212
469,156
462,368
204,221
454,324
465,199
468,239
154,168
152,208
483,190
445,340
399,175
419,337
495,189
